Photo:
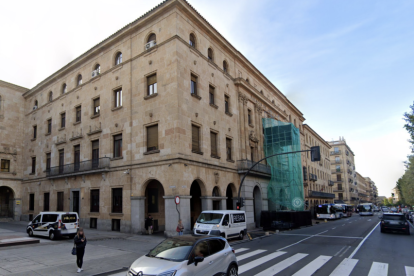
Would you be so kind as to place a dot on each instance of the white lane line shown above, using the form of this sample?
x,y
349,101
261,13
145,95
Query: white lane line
x,y
333,228
409,271
259,261
343,253
378,269
339,251
240,250
344,268
362,242
311,267
343,224
369,220
282,265
301,241
248,255
325,236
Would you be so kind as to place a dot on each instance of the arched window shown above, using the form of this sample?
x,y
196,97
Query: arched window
x,y
225,67
118,58
0,102
152,37
98,68
79,81
210,54
216,191
50,96
247,80
273,101
261,91
36,104
64,87
192,40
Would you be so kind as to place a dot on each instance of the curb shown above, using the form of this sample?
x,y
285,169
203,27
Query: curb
x,y
111,272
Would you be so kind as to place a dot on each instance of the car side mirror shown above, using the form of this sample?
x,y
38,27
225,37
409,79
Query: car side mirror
x,y
198,259
225,223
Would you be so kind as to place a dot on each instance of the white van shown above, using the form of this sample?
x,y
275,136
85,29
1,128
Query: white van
x,y
54,225
225,223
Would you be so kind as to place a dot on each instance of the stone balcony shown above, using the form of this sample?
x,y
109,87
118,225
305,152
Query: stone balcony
x,y
85,167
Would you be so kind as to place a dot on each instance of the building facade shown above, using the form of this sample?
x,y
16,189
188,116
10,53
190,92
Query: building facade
x,y
363,195
164,107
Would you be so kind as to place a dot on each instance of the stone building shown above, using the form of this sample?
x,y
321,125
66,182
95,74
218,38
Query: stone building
x,y
164,107
372,191
318,186
363,196
343,172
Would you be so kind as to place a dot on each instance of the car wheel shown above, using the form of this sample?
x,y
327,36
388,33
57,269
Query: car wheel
x,y
51,235
30,233
232,270
241,235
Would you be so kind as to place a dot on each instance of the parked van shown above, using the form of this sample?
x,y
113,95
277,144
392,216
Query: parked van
x,y
54,225
225,223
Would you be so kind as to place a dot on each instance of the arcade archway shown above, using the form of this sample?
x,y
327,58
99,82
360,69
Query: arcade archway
x,y
155,204
6,202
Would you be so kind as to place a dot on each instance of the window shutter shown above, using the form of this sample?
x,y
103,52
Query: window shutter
x,y
195,138
152,138
228,148
95,144
152,79
213,139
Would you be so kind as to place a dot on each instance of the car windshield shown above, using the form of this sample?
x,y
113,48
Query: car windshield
x,y
210,218
365,208
172,250
322,209
391,217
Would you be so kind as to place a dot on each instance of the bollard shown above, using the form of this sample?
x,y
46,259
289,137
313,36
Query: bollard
x,y
266,233
277,231
326,220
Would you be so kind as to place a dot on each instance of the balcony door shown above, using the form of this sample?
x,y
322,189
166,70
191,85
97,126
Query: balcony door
x,y
77,157
75,202
95,154
61,160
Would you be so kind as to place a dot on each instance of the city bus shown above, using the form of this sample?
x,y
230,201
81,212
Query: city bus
x,y
346,210
329,211
366,209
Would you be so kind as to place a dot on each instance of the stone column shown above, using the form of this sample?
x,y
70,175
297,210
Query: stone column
x,y
17,209
259,132
172,216
224,203
137,214
242,126
206,203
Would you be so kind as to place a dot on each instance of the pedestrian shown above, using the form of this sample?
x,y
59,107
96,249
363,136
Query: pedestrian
x,y
80,241
148,224
180,228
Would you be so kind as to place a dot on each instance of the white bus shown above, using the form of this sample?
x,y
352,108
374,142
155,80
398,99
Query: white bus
x,y
366,209
329,211
346,210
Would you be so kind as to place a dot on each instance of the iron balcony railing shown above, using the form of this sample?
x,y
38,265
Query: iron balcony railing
x,y
321,194
336,152
337,171
330,183
79,168
338,181
244,165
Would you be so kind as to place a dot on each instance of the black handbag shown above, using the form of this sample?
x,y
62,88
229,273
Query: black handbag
x,y
74,249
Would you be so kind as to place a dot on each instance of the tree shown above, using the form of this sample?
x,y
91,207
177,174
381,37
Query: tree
x,y
386,202
409,125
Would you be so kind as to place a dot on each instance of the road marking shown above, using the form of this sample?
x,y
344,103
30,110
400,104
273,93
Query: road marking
x,y
282,265
345,251
301,241
325,236
409,271
240,250
248,255
362,242
259,261
344,268
311,267
343,224
369,220
339,251
333,228
378,269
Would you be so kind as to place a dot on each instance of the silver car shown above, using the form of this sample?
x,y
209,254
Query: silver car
x,y
188,256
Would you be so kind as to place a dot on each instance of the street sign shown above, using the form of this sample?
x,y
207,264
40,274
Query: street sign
x,y
177,200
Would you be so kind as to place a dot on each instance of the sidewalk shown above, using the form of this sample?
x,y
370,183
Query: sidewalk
x,y
105,252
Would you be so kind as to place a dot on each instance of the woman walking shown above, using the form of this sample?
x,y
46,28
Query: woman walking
x,y
180,228
80,241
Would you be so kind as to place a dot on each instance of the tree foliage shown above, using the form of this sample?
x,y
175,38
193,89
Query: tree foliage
x,y
405,184
409,125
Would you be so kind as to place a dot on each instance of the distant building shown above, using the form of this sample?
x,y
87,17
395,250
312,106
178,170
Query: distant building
x,y
363,196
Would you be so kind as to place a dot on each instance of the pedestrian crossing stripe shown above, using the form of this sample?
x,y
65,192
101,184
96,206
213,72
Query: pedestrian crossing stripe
x,y
345,268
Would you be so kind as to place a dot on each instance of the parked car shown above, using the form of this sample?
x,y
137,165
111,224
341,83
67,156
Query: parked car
x,y
393,210
225,223
188,255
385,209
54,225
394,222
410,215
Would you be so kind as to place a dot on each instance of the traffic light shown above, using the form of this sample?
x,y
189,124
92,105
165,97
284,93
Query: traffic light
x,y
237,205
315,154
392,194
241,201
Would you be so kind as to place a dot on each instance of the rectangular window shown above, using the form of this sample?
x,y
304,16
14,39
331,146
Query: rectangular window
x,y
152,138
78,114
5,165
213,141
76,161
49,126
118,145
340,195
62,120
116,225
211,94
252,153
227,104
95,200
337,159
340,187
249,116
60,200
96,106
61,160
228,149
33,165
48,161
31,202
193,85
95,154
34,132
338,177
46,198
118,98
117,200
336,149
195,138
152,84
338,168
93,223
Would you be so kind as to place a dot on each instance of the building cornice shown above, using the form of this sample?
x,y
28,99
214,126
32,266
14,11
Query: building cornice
x,y
13,86
308,128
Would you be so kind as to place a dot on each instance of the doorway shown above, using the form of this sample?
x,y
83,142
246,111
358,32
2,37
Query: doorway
x,y
155,205
257,205
75,202
6,202
195,202
229,200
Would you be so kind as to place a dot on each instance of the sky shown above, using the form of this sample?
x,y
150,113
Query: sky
x,y
347,65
